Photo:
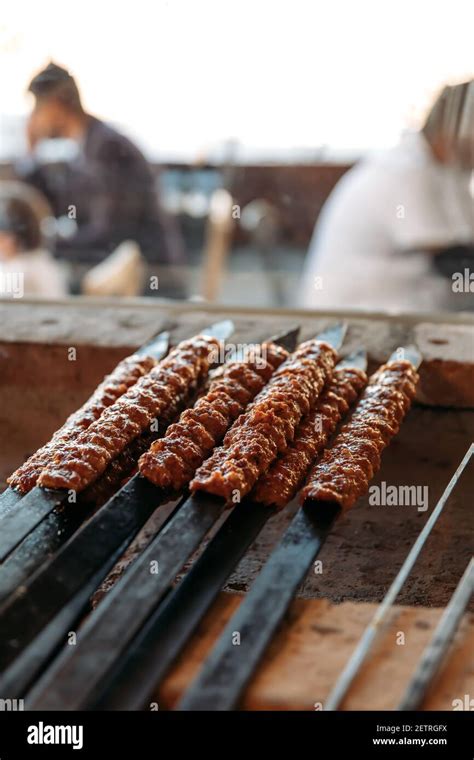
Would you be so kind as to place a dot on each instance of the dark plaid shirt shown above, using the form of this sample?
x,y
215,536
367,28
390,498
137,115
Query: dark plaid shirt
x,y
113,190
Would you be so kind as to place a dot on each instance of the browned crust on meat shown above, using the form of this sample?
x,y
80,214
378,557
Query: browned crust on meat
x,y
269,424
343,473
159,394
117,473
171,461
125,375
280,484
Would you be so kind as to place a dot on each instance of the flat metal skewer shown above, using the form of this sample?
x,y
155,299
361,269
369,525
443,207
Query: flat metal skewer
x,y
366,642
8,501
229,668
17,679
39,546
106,534
18,523
151,654
126,607
434,654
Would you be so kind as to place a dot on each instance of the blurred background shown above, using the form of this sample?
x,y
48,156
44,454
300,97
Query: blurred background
x,y
208,137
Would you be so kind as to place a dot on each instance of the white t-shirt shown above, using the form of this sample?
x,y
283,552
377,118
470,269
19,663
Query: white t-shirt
x,y
363,251
31,274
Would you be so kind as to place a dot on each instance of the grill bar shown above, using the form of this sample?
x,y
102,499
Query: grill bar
x,y
229,668
436,650
367,640
105,535
153,652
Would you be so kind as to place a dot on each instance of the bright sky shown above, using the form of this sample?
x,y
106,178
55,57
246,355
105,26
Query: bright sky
x,y
182,76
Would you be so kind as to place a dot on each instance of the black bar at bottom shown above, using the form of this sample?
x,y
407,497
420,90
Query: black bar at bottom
x,y
365,734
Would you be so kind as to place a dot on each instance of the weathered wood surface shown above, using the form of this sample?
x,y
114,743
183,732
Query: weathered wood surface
x,y
313,646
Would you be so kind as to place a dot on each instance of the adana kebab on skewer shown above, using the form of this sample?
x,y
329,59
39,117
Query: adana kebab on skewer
x,y
118,471
47,538
336,481
343,474
159,393
45,610
279,485
172,461
102,442
122,613
125,374
140,670
256,438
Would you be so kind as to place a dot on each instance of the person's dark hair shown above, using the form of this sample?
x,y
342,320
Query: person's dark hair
x,y
56,82
19,219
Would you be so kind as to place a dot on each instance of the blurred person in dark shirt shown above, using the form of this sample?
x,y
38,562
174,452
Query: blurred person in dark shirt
x,y
108,187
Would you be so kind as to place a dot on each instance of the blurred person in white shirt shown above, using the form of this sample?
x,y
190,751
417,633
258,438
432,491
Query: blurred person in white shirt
x,y
398,225
27,268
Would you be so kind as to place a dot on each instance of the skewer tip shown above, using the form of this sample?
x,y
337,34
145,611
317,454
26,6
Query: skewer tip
x,y
220,330
334,335
356,359
156,346
288,339
409,353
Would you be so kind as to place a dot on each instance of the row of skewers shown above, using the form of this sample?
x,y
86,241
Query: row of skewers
x,y
262,429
